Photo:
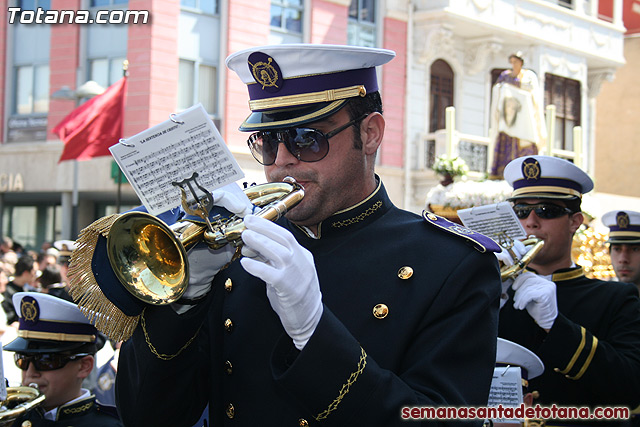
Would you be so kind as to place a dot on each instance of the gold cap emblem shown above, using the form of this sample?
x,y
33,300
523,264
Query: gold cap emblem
x,y
531,169
265,71
29,309
622,220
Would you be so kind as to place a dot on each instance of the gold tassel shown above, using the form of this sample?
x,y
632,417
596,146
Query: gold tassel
x,y
86,292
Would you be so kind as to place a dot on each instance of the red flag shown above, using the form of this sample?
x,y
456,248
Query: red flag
x,y
89,130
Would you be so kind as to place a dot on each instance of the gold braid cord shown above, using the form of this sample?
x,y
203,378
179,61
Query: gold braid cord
x,y
152,348
85,291
345,387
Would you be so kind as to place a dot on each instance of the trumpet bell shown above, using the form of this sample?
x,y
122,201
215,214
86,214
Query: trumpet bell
x,y
19,401
147,259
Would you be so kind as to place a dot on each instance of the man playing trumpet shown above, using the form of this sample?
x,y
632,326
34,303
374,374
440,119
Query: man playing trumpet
x,y
342,313
586,331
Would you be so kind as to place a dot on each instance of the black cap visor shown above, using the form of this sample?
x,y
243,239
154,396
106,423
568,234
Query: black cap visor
x,y
290,117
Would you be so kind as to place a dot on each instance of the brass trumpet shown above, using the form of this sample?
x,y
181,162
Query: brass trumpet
x,y
150,258
512,271
19,401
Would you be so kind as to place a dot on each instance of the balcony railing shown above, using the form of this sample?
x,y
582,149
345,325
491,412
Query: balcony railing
x,y
477,151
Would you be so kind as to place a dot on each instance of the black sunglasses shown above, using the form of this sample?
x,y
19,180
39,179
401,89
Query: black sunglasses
x,y
306,144
45,361
542,210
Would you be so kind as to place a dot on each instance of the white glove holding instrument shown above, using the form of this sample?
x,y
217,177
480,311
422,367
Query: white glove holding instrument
x,y
204,262
290,274
538,296
519,249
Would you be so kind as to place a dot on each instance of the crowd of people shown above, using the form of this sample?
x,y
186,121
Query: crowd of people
x,y
28,270
348,310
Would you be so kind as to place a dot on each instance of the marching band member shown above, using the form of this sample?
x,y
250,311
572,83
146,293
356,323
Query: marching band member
x,y
585,331
624,244
55,349
339,314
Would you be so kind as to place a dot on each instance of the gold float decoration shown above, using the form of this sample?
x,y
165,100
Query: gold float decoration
x,y
591,252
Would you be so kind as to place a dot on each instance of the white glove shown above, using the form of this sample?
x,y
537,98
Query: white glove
x,y
518,248
232,198
204,262
290,274
538,296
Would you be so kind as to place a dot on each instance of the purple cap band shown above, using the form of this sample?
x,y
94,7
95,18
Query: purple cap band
x,y
623,229
547,182
58,327
319,83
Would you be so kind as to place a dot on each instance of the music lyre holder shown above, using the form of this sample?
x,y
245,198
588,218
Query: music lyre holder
x,y
505,241
199,205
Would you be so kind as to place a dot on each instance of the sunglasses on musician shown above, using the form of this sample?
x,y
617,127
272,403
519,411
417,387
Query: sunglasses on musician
x,y
45,361
542,210
306,144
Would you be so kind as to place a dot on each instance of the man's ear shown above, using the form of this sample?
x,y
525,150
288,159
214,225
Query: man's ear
x,y
372,131
575,221
86,366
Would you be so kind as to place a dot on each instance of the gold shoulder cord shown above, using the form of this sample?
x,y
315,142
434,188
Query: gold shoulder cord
x,y
163,356
345,388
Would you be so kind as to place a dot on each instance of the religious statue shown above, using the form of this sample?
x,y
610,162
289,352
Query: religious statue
x,y
517,121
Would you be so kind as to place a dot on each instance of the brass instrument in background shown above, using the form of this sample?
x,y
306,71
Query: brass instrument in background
x,y
512,271
149,257
19,401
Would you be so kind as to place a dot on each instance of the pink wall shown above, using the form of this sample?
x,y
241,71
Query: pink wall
x,y
393,93
248,26
152,51
328,22
63,64
3,60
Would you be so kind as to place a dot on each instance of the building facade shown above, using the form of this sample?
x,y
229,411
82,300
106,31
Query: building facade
x,y
618,139
448,54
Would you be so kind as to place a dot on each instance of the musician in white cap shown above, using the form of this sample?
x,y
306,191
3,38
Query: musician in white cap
x,y
339,314
624,244
55,349
586,331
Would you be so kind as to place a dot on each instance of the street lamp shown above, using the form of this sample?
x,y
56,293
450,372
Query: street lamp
x,y
85,91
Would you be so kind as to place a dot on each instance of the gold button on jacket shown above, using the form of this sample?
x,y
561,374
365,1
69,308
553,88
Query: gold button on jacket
x,y
380,311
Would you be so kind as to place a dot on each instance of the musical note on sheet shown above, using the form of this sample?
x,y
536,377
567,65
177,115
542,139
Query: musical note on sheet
x,y
171,151
493,221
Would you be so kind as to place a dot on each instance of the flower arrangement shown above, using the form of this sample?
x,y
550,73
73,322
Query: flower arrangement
x,y
453,166
466,194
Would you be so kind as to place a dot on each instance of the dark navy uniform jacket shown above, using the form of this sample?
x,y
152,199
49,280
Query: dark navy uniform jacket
x,y
433,344
84,413
592,352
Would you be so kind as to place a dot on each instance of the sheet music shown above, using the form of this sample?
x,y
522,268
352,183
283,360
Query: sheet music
x,y
493,220
172,151
506,390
